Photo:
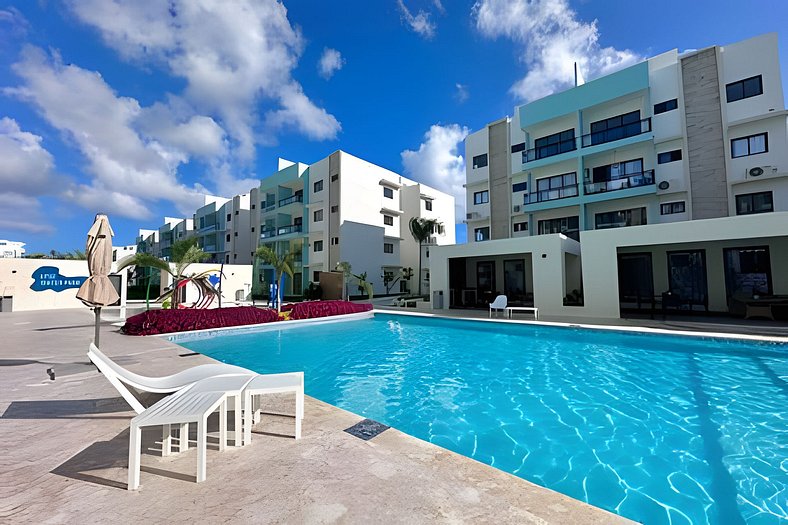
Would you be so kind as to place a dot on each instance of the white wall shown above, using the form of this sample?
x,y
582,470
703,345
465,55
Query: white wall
x,y
237,279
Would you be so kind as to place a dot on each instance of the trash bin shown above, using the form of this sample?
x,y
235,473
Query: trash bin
x,y
437,299
7,304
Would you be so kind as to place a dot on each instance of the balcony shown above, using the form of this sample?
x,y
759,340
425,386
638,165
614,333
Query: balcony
x,y
206,229
617,133
291,200
292,228
267,233
550,150
552,194
632,180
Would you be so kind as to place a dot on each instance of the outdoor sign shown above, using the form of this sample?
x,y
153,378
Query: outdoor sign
x,y
49,278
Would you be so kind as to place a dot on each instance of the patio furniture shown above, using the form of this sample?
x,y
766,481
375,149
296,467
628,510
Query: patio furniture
x,y
272,384
121,378
510,309
499,304
191,405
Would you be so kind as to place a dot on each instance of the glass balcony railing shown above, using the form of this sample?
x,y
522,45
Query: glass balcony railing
x,y
632,180
267,233
542,152
552,194
620,132
291,200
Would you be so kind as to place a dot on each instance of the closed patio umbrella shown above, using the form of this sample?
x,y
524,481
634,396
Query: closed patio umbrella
x,y
97,290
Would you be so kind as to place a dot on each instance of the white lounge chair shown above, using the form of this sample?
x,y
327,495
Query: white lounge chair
x,y
121,378
192,404
498,304
273,384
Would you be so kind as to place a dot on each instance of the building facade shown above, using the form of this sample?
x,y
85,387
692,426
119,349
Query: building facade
x,y
11,249
677,137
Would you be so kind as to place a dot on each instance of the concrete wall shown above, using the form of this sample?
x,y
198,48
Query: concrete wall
x,y
500,190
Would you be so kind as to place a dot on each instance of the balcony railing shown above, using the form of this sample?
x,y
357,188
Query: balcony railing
x,y
293,228
209,228
550,150
265,234
270,207
291,200
633,180
620,132
552,194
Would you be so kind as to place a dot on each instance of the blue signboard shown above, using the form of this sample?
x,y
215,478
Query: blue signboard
x,y
49,278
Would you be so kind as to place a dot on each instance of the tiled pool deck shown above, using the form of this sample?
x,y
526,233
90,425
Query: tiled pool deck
x,y
64,453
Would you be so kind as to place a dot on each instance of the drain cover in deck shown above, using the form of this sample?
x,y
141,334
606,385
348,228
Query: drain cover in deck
x,y
366,429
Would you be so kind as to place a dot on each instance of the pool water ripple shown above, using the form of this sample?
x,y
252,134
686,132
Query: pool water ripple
x,y
660,429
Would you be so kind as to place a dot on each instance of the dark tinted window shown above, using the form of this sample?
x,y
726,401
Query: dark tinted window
x,y
749,87
750,203
520,186
669,156
668,105
479,161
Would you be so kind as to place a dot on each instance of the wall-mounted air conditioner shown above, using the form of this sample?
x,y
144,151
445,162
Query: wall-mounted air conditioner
x,y
472,215
759,171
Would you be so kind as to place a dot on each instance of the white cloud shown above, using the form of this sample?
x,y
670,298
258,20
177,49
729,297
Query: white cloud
x,y
438,162
26,167
128,170
330,62
553,39
298,112
233,55
420,22
192,134
461,94
22,213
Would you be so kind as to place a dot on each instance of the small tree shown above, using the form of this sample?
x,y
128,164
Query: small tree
x,y
346,269
421,229
283,264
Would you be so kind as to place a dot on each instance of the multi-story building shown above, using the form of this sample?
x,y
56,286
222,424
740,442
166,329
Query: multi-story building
x,y
677,137
668,181
173,230
11,249
223,229
345,209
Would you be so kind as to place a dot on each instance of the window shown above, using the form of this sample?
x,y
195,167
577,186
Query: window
x,y
235,256
615,128
669,156
334,241
388,220
317,186
748,271
555,187
227,259
569,226
481,197
317,216
334,209
482,234
520,186
749,87
618,219
518,147
669,208
619,170
237,212
388,193
252,229
752,145
480,161
554,144
520,226
664,107
229,217
228,238
235,234
335,177
317,246
427,252
388,247
485,276
750,203
428,205
316,276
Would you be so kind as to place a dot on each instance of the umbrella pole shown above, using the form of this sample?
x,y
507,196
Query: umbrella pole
x,y
97,310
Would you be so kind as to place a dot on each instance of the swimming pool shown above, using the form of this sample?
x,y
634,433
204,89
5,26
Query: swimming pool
x,y
660,429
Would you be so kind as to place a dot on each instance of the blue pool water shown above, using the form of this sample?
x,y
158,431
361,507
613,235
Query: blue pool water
x,y
660,429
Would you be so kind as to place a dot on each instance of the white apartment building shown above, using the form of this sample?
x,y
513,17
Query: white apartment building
x,y
697,139
345,209
11,249
223,229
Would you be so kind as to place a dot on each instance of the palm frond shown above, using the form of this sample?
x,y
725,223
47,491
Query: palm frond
x,y
145,260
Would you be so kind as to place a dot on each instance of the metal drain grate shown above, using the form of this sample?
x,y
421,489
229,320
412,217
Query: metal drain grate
x,y
366,429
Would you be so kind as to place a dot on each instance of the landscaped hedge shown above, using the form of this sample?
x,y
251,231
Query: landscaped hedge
x,y
155,322
313,309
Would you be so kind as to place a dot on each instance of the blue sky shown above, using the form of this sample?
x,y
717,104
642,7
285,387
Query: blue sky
x,y
136,107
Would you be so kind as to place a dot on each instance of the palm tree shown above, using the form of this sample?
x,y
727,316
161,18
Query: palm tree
x,y
346,269
283,264
422,229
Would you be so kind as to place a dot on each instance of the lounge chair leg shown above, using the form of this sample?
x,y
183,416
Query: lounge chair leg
x,y
166,440
248,418
299,413
238,434
223,426
135,437
202,451
183,438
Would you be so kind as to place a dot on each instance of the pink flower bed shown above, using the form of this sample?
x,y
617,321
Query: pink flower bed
x,y
155,322
314,309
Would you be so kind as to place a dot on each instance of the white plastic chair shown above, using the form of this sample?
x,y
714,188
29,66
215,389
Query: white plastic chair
x,y
498,304
121,378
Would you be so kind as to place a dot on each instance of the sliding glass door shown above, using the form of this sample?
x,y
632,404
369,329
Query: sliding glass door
x,y
687,276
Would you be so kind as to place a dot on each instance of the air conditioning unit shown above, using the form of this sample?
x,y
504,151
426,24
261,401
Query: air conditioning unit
x,y
516,208
759,171
472,215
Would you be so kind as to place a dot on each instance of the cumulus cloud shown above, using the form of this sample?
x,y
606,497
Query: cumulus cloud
x,y
552,39
461,93
438,162
27,168
331,61
419,23
128,170
233,56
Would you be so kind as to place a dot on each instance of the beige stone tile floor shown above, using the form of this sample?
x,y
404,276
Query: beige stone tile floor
x,y
64,450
